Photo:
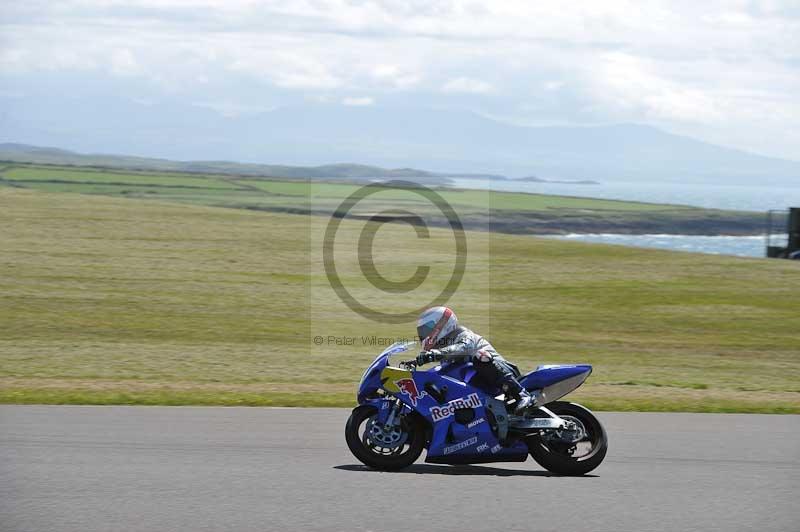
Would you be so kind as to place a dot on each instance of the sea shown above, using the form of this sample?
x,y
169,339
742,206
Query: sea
x,y
736,197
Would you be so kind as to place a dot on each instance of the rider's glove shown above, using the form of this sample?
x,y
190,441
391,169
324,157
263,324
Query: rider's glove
x,y
428,356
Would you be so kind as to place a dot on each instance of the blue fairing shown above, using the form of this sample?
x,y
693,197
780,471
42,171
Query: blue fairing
x,y
438,392
371,380
544,376
452,441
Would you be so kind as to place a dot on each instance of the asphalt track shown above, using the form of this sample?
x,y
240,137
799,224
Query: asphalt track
x,y
241,469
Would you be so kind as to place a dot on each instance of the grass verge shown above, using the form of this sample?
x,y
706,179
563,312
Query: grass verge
x,y
507,212
111,301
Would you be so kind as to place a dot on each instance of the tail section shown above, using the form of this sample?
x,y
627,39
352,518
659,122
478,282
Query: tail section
x,y
554,382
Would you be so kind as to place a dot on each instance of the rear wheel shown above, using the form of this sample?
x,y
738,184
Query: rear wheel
x,y
570,452
378,448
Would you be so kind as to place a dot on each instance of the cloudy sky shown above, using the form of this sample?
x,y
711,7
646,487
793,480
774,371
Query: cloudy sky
x,y
725,72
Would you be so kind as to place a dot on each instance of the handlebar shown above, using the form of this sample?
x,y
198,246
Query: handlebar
x,y
409,364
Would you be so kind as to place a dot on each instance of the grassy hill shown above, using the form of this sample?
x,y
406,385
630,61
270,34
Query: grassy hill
x,y
108,300
507,212
23,153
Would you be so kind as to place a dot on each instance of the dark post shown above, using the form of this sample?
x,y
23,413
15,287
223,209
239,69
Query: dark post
x,y
794,229
769,231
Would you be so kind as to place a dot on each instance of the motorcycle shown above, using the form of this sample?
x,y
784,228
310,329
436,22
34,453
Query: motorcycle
x,y
404,410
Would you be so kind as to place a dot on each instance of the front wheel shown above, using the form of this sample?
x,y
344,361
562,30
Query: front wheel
x,y
388,450
573,452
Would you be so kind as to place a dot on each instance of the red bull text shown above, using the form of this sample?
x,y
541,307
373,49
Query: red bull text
x,y
441,412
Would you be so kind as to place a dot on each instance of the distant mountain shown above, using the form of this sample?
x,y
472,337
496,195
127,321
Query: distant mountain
x,y
441,141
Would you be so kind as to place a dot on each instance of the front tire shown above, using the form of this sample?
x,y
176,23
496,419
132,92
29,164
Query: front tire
x,y
373,455
562,457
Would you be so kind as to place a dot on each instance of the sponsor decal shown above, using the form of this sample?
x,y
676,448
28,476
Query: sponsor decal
x,y
460,445
496,448
439,413
409,388
482,447
475,423
384,405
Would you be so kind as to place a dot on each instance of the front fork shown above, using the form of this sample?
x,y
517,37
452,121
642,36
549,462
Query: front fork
x,y
389,410
394,414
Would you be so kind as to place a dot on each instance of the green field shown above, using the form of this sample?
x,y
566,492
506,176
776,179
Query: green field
x,y
38,175
501,211
112,300
286,192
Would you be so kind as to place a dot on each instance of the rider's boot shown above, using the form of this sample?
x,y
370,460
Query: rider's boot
x,y
495,369
524,400
515,389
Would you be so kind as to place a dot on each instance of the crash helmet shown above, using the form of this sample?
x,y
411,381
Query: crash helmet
x,y
434,324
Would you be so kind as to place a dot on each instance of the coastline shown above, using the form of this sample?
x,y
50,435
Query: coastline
x,y
727,224
501,211
736,246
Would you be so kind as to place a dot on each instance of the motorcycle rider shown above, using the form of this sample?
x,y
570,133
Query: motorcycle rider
x,y
443,339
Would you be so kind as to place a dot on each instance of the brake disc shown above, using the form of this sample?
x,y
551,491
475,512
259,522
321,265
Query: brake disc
x,y
387,439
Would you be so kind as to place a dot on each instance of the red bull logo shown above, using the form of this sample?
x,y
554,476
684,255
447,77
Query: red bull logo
x,y
409,388
442,412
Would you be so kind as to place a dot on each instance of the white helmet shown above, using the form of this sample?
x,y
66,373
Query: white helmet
x,y
434,324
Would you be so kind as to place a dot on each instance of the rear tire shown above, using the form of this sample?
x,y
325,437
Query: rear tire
x,y
556,459
367,455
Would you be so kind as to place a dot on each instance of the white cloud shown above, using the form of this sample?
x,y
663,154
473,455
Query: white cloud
x,y
553,85
232,109
713,68
361,101
394,76
123,63
631,84
467,85
286,69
